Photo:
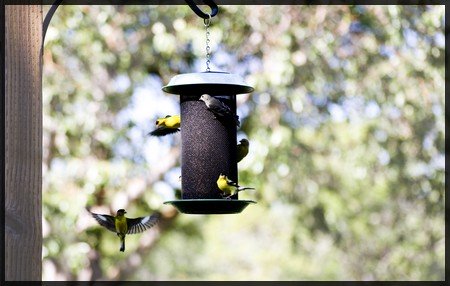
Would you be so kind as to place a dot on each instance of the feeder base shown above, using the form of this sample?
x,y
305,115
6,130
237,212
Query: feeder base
x,y
210,206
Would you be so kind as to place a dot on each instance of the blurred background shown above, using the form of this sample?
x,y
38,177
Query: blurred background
x,y
346,129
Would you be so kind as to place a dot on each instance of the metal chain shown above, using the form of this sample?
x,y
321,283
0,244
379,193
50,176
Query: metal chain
x,y
207,22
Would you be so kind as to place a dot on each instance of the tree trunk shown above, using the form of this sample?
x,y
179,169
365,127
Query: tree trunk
x,y
23,142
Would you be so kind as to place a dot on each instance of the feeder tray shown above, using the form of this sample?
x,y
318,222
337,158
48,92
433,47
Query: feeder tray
x,y
210,206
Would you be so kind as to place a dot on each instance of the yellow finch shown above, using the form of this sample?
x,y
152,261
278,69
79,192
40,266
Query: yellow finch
x,y
228,187
167,125
220,109
123,226
242,149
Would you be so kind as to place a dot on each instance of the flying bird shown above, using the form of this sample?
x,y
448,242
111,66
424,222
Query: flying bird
x,y
166,125
122,225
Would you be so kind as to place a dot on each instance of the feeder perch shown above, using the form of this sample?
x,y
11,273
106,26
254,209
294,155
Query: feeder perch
x,y
208,146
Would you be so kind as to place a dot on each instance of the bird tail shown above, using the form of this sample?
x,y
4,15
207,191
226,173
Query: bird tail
x,y
236,119
244,188
122,243
239,190
230,118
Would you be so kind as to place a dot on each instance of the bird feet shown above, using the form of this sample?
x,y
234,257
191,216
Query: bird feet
x,y
226,197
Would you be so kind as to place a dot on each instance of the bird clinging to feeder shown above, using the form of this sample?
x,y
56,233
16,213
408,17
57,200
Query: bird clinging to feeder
x,y
242,149
220,109
229,187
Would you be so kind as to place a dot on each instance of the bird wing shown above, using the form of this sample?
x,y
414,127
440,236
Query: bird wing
x,y
218,107
105,221
221,109
161,131
231,182
136,225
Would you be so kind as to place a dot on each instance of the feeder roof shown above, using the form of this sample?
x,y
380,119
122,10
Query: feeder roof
x,y
218,83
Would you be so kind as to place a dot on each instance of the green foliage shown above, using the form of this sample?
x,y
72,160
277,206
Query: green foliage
x,y
346,133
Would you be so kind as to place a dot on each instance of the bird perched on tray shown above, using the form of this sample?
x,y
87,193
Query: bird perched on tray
x,y
167,125
122,225
220,109
228,187
242,149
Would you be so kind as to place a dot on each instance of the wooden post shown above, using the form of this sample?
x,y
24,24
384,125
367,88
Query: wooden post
x,y
23,142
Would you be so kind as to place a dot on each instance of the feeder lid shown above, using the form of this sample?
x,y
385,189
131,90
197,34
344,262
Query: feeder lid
x,y
220,83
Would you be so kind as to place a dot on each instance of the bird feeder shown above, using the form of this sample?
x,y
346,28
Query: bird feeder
x,y
208,147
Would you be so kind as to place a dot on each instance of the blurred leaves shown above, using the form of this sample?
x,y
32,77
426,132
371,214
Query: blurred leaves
x,y
346,133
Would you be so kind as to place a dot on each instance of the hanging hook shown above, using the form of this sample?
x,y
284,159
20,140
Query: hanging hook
x,y
48,17
200,13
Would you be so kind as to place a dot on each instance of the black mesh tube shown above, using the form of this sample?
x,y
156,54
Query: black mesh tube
x,y
208,148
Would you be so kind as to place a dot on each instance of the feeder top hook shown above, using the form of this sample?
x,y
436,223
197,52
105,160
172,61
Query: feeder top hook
x,y
200,13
